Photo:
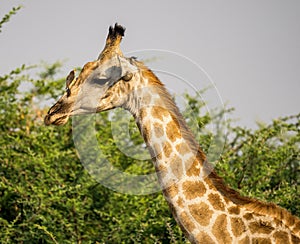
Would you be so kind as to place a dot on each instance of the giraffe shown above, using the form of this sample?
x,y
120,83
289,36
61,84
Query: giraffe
x,y
205,208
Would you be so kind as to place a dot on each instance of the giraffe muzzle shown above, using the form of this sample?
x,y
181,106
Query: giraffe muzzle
x,y
55,115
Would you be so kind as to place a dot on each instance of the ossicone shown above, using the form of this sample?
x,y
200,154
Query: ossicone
x,y
116,31
113,40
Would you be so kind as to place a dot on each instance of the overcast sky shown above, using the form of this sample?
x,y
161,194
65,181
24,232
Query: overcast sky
x,y
249,49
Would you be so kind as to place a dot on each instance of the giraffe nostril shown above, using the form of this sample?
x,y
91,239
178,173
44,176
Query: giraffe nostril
x,y
47,120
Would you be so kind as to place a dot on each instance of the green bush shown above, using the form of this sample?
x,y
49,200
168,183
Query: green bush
x,y
47,196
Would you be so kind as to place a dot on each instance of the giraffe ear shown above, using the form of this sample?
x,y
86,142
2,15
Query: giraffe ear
x,y
127,68
70,78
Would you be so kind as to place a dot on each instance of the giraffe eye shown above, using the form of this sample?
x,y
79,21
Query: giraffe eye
x,y
100,81
127,77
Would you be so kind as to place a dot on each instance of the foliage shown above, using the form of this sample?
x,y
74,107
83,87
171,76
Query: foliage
x,y
47,196
7,17
265,163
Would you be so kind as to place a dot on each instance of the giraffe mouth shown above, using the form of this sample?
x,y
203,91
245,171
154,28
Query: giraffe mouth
x,y
55,120
83,110
59,119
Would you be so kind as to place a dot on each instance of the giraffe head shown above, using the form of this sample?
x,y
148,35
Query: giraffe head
x,y
101,85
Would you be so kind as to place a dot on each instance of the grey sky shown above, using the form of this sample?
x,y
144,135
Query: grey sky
x,y
250,49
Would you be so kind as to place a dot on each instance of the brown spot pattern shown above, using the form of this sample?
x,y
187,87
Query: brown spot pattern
x,y
143,114
210,184
281,237
248,216
246,240
201,213
237,226
234,210
167,149
172,131
146,132
156,151
158,130
180,202
171,191
162,168
176,166
202,237
191,167
193,189
260,240
216,201
161,171
295,239
158,156
296,228
186,222
220,230
260,228
183,148
159,113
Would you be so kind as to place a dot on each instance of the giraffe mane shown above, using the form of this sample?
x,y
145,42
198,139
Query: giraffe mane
x,y
257,206
173,109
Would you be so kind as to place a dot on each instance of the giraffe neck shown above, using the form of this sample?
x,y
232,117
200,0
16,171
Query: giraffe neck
x,y
179,162
204,207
